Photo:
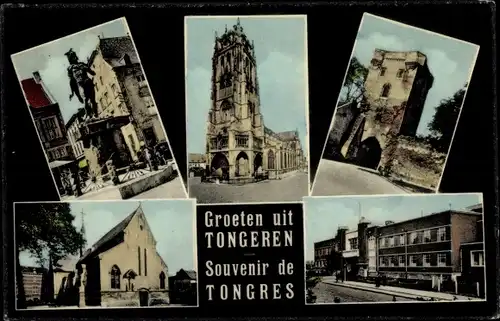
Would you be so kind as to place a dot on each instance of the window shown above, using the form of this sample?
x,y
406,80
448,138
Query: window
x,y
391,241
270,160
402,260
113,88
427,260
383,261
402,239
413,260
477,258
441,234
145,262
427,236
50,128
148,101
400,73
413,238
100,80
386,89
382,71
115,277
353,243
126,59
139,259
442,259
140,78
393,261
162,280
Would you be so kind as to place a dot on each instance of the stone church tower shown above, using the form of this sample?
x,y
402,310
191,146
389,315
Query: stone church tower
x,y
235,131
396,88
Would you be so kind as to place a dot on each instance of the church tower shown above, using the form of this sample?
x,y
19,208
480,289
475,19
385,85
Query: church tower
x,y
235,133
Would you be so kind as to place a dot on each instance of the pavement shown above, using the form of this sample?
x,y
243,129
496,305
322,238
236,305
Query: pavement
x,y
327,293
398,292
288,189
171,189
336,178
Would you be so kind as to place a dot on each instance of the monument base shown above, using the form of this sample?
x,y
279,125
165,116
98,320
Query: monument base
x,y
133,187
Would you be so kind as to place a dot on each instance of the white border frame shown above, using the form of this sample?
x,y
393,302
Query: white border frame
x,y
481,198
195,254
365,14
129,34
306,96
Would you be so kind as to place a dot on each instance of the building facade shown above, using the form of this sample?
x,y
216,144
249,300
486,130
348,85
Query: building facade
x,y
427,248
34,283
121,89
51,130
322,252
238,143
396,88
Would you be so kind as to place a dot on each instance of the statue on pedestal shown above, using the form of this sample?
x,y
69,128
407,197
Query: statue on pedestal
x,y
78,73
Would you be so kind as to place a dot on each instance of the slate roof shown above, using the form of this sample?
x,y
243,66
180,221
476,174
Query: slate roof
x,y
191,274
288,135
110,236
114,49
35,94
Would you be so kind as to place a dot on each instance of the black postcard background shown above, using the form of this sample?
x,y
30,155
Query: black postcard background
x,y
158,33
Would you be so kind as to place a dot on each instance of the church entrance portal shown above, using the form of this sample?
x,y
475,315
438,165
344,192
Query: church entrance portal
x,y
242,164
257,162
220,165
369,153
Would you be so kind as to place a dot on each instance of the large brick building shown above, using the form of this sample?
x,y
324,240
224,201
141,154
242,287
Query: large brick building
x,y
237,142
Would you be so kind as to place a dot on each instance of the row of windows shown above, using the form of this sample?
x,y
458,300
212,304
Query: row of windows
x,y
49,128
58,153
440,234
115,279
399,74
415,260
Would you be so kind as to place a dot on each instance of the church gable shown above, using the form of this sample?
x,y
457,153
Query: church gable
x,y
138,230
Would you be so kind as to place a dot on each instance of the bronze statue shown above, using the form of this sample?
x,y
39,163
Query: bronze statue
x,y
78,73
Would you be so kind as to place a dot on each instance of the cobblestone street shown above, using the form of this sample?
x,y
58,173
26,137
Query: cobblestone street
x,y
326,293
288,189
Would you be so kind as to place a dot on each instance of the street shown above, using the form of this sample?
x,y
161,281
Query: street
x,y
171,189
336,178
326,293
288,189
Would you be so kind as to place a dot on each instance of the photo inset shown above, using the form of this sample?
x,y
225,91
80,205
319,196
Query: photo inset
x,y
401,248
96,117
247,108
397,112
116,254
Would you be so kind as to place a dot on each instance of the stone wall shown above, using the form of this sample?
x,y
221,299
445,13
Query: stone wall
x,y
417,163
120,299
344,116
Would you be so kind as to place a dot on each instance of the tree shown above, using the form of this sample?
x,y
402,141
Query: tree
x,y
354,83
45,231
442,126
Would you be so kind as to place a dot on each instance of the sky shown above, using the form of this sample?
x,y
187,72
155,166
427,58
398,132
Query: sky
x,y
450,60
325,214
50,61
171,222
281,69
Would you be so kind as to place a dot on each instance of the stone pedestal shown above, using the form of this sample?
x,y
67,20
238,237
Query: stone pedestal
x,y
103,141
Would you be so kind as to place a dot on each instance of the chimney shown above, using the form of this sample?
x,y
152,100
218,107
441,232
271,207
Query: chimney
x,y
389,222
37,77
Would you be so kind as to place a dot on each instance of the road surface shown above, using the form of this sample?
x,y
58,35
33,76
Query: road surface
x,y
326,293
289,189
170,189
336,178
